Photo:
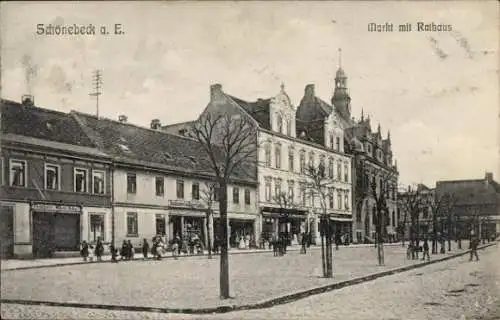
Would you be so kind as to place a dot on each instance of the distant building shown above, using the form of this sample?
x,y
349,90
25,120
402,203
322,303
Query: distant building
x,y
425,224
477,206
55,183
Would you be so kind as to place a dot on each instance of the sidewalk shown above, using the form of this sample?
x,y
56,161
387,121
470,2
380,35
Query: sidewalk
x,y
191,286
19,264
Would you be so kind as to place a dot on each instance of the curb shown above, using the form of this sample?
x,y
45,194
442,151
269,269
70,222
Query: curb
x,y
62,264
259,305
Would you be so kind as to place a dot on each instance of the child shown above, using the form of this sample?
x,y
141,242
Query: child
x,y
84,251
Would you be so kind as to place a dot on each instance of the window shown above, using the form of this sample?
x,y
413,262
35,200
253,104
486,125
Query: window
x,y
339,171
18,173
195,191
52,177
331,141
311,160
236,195
346,173
216,193
247,196
131,183
339,200
303,195
268,156
160,224
180,189
277,156
277,188
268,190
311,198
159,186
330,197
289,127
346,199
393,218
322,163
337,143
96,227
290,190
98,181
279,120
425,213
330,168
132,228
81,180
290,160
302,162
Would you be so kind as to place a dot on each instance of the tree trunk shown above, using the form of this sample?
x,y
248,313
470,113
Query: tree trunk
x,y
329,250
224,254
209,239
380,248
323,255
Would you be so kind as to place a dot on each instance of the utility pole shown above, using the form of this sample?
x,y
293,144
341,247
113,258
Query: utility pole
x,y
97,86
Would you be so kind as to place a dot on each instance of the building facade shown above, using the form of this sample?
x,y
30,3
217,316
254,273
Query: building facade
x,y
161,182
475,207
373,161
286,149
54,182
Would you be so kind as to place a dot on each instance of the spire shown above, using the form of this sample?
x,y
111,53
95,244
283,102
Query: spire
x,y
378,128
282,86
340,58
362,114
389,135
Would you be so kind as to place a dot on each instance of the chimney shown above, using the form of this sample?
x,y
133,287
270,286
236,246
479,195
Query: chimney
x,y
309,91
155,124
122,118
215,91
27,100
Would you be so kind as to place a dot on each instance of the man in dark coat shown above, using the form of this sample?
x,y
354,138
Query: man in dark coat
x,y
474,242
99,249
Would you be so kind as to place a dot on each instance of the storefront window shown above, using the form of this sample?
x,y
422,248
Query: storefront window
x,y
160,224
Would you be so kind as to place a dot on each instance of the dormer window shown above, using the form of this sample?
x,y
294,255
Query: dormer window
x,y
123,147
337,143
331,140
288,127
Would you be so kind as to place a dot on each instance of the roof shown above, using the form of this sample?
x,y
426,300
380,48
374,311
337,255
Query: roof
x,y
159,149
470,192
259,110
35,122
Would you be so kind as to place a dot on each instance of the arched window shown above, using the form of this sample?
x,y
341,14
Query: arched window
x,y
277,156
289,127
268,155
279,122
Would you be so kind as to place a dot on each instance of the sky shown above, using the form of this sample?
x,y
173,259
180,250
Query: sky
x,y
437,92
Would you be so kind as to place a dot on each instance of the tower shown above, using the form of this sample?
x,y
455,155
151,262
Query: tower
x,y
341,99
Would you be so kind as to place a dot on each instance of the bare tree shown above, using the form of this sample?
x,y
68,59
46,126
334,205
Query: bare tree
x,y
317,184
411,203
284,201
208,196
440,206
379,191
230,142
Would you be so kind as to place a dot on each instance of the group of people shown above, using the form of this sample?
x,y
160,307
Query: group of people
x,y
88,251
413,250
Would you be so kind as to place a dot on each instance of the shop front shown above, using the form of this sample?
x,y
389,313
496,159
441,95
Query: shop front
x,y
56,227
289,224
186,220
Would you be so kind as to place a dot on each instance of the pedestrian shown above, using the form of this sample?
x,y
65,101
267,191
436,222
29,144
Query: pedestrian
x,y
338,240
474,241
124,250
409,251
175,247
84,251
91,252
426,251
130,250
99,249
145,248
113,252
303,249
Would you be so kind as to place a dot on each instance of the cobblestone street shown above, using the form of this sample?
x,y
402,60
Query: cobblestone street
x,y
444,290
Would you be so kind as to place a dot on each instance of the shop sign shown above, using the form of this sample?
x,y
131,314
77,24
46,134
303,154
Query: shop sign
x,y
186,204
58,208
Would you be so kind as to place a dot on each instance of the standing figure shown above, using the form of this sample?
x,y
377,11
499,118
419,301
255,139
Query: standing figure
x,y
99,249
474,242
130,250
426,251
145,248
303,249
247,241
84,251
124,250
176,247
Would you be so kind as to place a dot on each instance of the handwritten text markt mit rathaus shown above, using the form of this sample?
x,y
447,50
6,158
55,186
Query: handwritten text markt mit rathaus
x,y
408,27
